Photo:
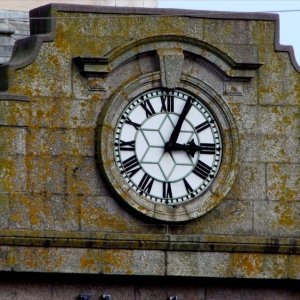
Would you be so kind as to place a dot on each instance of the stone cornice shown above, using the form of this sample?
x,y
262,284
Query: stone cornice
x,y
147,241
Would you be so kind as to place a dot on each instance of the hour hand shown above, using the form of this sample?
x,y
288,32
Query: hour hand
x,y
177,128
191,148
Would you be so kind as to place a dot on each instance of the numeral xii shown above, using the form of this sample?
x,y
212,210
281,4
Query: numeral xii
x,y
167,103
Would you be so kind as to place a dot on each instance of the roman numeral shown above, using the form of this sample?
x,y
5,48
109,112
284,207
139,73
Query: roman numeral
x,y
167,190
202,170
135,125
147,106
187,186
207,148
146,183
167,103
202,126
131,166
126,146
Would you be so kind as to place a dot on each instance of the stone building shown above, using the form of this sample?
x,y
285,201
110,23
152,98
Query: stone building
x,y
149,154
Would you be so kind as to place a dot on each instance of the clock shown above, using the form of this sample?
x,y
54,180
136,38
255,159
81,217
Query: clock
x,y
167,146
171,154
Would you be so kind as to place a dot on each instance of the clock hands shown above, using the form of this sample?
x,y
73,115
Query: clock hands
x,y
174,136
191,148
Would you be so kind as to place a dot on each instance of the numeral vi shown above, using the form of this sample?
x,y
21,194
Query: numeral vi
x,y
167,190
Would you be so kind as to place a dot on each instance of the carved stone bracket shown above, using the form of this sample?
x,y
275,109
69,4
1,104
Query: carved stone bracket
x,y
171,63
91,66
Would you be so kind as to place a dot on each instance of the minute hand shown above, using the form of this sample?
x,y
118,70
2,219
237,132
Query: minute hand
x,y
191,148
176,131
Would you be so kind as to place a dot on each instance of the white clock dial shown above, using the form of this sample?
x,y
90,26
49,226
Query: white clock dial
x,y
168,146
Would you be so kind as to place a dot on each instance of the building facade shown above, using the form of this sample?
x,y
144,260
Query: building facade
x,y
150,154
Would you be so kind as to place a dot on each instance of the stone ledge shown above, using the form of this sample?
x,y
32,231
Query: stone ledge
x,y
13,97
145,241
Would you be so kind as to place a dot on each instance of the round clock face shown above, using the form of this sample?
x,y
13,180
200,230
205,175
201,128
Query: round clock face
x,y
167,146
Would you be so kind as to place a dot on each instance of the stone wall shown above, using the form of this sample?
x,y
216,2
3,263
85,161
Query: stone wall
x,y
58,212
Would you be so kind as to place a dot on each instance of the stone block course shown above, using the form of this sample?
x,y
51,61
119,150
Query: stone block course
x,y
14,113
58,142
65,113
251,182
269,148
82,176
233,32
46,174
19,211
13,174
276,218
231,217
13,140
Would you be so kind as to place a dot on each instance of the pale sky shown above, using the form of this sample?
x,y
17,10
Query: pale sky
x,y
289,12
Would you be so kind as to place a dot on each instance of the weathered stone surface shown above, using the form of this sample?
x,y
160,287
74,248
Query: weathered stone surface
x,y
14,113
276,217
104,214
233,31
13,173
234,217
19,214
4,210
65,113
270,148
250,183
54,212
12,140
198,264
82,176
47,174
278,120
79,141
283,182
294,267
248,265
282,86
